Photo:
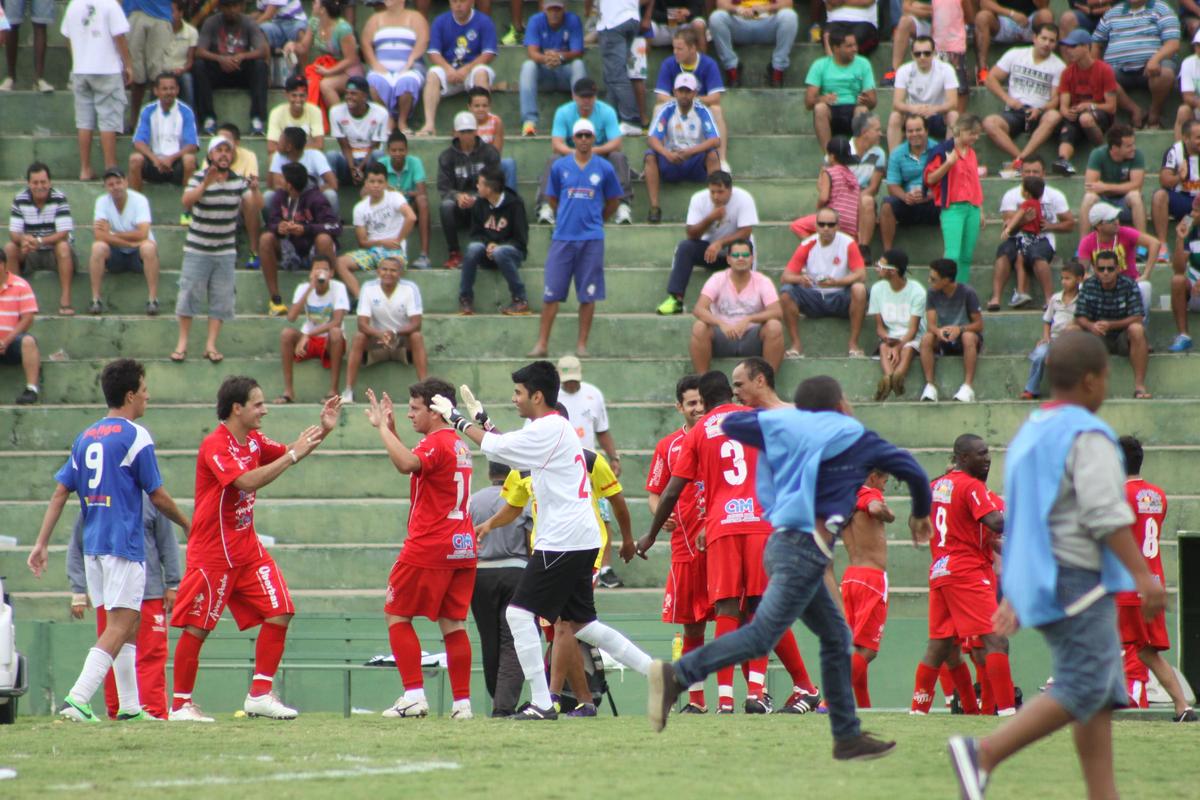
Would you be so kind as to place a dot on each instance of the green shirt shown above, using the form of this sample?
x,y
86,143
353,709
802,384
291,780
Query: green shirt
x,y
407,179
846,82
1112,171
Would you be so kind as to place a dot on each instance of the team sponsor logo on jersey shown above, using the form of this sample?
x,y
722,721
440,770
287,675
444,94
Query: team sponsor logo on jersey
x,y
943,490
462,454
100,431
96,500
740,509
243,510
712,425
940,568
594,179
1149,502
214,612
264,580
464,546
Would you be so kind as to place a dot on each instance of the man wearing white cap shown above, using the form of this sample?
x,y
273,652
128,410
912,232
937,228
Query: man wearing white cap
x,y
1111,235
683,142
459,166
583,192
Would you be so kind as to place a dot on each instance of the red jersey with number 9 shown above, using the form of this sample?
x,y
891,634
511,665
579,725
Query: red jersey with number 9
x,y
961,545
1149,503
440,532
727,469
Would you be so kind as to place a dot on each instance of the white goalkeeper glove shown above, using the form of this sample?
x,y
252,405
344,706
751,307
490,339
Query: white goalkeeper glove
x,y
443,406
475,408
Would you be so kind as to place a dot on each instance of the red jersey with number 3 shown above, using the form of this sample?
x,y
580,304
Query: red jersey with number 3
x,y
1149,503
689,510
222,533
727,469
962,545
440,532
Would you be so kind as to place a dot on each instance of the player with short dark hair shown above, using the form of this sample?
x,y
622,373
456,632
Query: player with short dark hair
x,y
864,581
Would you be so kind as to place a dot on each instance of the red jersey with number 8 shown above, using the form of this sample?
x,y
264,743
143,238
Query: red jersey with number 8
x,y
961,545
1149,503
440,532
727,470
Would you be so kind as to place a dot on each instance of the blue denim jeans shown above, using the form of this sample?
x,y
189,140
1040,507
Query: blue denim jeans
x,y
615,44
778,30
796,589
1037,361
535,78
281,31
505,257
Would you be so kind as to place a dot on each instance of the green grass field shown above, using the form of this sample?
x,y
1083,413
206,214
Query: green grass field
x,y
702,757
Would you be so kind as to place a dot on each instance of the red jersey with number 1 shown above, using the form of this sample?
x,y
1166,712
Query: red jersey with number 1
x,y
689,510
962,545
727,469
440,532
1149,503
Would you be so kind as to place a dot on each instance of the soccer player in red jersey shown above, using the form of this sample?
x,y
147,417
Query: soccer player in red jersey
x,y
864,583
226,563
962,584
1147,639
434,575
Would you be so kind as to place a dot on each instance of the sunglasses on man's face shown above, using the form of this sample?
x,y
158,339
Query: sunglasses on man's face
x,y
584,135
922,53
1106,269
739,254
826,224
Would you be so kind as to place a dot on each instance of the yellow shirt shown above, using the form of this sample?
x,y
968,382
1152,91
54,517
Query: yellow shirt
x,y
311,121
245,163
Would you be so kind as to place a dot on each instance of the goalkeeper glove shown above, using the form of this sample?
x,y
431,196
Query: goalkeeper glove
x,y
475,408
443,406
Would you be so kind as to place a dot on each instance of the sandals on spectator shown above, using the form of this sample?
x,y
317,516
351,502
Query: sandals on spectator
x,y
791,354
993,306
213,356
1142,394
856,353
66,311
283,400
179,356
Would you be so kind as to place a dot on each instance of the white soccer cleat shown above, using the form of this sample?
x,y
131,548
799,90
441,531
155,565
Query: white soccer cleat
x,y
462,713
965,394
188,713
267,705
623,215
929,393
408,708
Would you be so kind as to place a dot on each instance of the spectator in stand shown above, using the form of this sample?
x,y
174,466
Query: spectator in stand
x,y
150,35
1087,99
1110,306
329,42
1058,317
324,302
686,57
232,53
18,307
490,130
857,18
953,327
950,40
180,57
382,221
462,43
837,188
669,17
1033,75
1116,172
300,225
619,25
915,19
952,175
459,166
389,325
1084,14
165,142
1056,217
297,112
41,233
1011,22
926,87
122,239
839,86
245,163
608,139
908,202
101,68
499,240
293,149
393,42
1185,294
1111,236
41,14
554,44
737,314
898,305
281,21
213,197
583,191
825,278
360,128
1189,87
1179,184
716,217
870,170
683,143
406,174
1140,40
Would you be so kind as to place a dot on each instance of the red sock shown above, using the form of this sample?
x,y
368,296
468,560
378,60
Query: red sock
x,y
725,625
987,698
966,688
406,649
187,661
858,679
1000,672
458,664
268,652
695,696
923,689
756,678
788,653
947,682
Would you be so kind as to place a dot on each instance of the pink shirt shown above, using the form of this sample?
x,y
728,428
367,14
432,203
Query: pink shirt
x,y
1125,246
949,27
730,305
16,298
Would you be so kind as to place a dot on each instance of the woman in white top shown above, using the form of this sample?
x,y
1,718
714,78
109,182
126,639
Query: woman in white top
x,y
393,42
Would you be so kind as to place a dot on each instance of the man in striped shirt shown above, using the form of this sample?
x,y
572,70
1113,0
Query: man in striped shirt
x,y
214,199
41,230
1140,39
18,306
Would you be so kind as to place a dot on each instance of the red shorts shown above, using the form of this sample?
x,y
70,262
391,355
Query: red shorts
x,y
865,596
1136,631
735,567
254,592
431,593
317,347
685,601
961,609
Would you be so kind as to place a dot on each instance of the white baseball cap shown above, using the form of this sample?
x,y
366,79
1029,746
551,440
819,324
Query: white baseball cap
x,y
465,121
686,80
1102,212
585,125
216,142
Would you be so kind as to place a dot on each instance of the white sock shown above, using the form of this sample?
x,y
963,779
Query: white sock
x,y
125,671
615,644
414,695
528,645
95,667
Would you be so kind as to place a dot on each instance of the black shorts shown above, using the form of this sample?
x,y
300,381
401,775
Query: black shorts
x,y
840,119
1117,342
916,214
152,174
865,34
1072,132
12,354
1017,122
1033,250
959,62
558,585
943,348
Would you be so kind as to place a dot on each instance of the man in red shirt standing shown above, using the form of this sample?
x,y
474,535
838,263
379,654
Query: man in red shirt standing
x,y
434,576
226,563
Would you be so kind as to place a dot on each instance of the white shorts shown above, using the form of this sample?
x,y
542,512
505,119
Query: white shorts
x,y
450,89
924,27
635,65
114,582
1012,32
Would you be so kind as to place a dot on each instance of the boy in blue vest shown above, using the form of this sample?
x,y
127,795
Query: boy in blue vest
x,y
1068,548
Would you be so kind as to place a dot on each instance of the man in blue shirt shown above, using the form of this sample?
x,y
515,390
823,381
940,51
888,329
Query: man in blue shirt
x,y
686,57
583,191
813,460
683,143
554,42
112,462
907,202
462,42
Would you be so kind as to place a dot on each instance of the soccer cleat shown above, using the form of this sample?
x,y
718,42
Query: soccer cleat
x,y
672,305
1064,168
1182,344
654,215
531,713
77,712
801,702
276,309
929,393
463,713
965,394
422,262
267,705
583,710
660,698
692,708
623,215
725,709
188,712
1188,715
529,128
141,716
607,579
27,397
545,214
407,708
757,705
889,78
517,308
1019,300
964,757
863,747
